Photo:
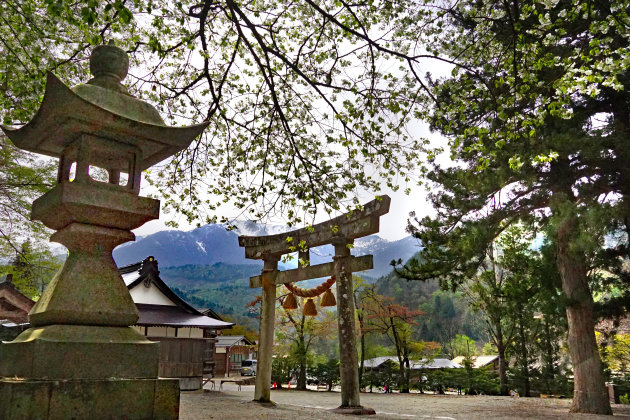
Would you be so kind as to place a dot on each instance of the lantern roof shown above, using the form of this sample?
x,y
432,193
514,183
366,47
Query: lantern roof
x,y
101,108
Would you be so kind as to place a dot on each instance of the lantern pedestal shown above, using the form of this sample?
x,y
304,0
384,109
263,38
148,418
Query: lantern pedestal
x,y
81,358
82,371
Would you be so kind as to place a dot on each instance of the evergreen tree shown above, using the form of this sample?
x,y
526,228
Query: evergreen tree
x,y
520,111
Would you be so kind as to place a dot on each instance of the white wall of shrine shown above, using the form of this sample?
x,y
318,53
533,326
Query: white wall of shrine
x,y
150,295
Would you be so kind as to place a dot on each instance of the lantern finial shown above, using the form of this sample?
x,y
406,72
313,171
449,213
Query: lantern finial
x,y
109,66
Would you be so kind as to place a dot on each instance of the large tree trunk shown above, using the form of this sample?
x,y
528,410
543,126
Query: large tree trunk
x,y
302,352
403,375
549,370
405,388
362,363
589,394
301,383
403,378
524,354
502,362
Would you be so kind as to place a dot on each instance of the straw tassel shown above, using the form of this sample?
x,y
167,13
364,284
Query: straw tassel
x,y
328,299
289,302
309,308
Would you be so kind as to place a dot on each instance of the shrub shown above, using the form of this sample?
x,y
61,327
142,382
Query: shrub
x,y
282,369
326,373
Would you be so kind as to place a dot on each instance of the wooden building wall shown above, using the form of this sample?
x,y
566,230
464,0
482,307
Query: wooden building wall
x,y
229,358
188,359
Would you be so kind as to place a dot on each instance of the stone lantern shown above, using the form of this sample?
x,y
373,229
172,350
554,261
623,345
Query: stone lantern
x,y
80,358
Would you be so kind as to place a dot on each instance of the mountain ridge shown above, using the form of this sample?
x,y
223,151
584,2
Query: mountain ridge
x,y
213,243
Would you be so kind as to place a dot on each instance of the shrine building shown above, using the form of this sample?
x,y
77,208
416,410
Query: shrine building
x,y
186,335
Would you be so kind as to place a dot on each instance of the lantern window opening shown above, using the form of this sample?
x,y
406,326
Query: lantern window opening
x,y
123,179
72,172
97,159
99,174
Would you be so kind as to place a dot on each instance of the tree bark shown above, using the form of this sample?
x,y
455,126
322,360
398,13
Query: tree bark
x,y
403,378
548,358
405,388
301,382
524,354
362,362
502,362
589,394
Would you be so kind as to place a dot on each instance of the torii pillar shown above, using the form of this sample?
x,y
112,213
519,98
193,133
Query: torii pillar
x,y
262,392
341,232
346,329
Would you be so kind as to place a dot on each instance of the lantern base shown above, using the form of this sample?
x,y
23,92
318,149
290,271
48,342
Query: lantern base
x,y
76,352
132,399
84,371
88,289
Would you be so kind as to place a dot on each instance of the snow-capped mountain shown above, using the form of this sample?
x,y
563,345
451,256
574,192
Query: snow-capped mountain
x,y
212,243
205,245
249,228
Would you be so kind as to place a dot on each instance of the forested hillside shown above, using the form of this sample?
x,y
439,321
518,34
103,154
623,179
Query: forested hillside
x,y
200,276
213,243
225,289
446,314
222,287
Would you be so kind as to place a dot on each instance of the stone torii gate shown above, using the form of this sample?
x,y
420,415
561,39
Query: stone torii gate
x,y
340,232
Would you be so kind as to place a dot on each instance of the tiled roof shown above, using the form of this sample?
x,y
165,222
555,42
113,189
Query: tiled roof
x,y
231,340
174,316
414,364
478,361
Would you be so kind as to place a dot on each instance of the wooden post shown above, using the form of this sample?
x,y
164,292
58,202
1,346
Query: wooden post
x,y
228,361
345,318
267,320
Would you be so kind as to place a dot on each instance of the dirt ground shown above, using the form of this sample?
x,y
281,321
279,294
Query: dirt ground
x,y
305,405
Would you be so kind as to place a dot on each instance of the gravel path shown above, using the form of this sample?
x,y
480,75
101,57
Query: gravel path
x,y
305,405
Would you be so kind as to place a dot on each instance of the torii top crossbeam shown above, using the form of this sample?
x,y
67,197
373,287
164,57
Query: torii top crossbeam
x,y
348,226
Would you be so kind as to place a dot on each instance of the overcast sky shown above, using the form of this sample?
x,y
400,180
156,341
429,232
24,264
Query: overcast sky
x,y
393,224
